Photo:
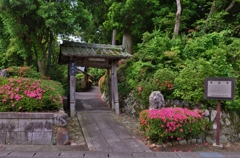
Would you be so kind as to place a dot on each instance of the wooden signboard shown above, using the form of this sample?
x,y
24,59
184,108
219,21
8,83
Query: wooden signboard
x,y
219,88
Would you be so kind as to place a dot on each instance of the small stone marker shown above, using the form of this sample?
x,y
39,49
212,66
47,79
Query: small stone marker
x,y
62,136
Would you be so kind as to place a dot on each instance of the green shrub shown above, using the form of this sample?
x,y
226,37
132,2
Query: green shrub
x,y
26,94
170,124
24,71
79,78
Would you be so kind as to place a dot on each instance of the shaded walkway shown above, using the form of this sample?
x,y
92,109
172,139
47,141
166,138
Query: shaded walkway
x,y
90,100
101,131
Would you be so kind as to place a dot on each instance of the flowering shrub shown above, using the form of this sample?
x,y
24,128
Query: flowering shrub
x,y
173,123
25,94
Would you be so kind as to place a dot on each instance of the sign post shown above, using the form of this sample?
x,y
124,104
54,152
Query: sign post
x,y
219,89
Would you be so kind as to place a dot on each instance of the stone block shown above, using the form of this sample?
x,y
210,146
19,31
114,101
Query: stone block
x,y
223,139
207,113
220,146
227,122
210,140
213,114
48,125
11,138
200,140
25,115
181,142
193,141
38,125
3,138
2,126
10,125
42,137
26,125
24,138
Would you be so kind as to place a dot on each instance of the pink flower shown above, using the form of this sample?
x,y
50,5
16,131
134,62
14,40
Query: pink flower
x,y
11,79
12,105
140,88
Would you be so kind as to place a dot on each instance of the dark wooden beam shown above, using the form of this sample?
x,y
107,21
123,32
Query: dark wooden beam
x,y
72,84
115,88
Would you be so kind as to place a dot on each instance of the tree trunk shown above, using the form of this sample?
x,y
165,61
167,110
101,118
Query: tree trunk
x,y
177,20
50,51
41,66
127,41
114,33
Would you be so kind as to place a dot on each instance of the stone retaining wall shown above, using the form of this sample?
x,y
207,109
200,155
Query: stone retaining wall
x,y
29,128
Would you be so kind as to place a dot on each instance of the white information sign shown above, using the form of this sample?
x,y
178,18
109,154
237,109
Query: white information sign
x,y
219,89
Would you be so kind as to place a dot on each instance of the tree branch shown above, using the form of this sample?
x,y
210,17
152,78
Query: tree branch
x,y
213,7
230,5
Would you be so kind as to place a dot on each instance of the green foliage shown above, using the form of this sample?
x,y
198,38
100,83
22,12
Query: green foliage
x,y
79,78
30,95
177,67
163,81
30,24
96,73
59,73
135,15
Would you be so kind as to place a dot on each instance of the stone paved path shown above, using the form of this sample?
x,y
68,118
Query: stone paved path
x,y
102,132
101,128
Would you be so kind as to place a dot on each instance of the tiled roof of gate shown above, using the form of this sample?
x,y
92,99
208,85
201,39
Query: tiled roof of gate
x,y
93,50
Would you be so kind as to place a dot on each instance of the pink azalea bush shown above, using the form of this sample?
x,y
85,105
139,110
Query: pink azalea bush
x,y
27,94
173,124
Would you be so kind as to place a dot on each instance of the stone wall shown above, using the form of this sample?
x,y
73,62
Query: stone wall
x,y
229,126
29,128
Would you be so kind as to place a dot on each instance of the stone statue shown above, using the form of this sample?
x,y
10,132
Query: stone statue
x,y
156,100
3,73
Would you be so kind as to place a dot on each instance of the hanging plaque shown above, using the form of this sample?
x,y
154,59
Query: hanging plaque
x,y
72,68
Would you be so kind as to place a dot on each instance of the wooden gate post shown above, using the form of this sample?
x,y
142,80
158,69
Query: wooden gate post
x,y
115,87
109,88
72,84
